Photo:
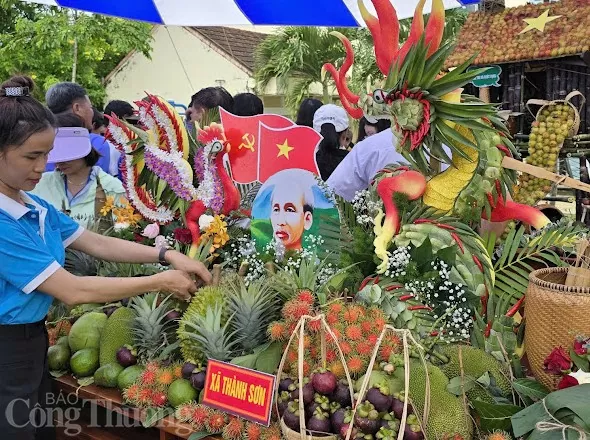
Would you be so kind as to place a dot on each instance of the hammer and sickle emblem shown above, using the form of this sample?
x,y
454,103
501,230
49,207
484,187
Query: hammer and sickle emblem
x,y
248,142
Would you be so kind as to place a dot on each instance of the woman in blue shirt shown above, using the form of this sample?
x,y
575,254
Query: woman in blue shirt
x,y
33,238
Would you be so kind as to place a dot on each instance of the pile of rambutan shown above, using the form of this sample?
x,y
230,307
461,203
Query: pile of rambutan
x,y
357,329
203,418
151,387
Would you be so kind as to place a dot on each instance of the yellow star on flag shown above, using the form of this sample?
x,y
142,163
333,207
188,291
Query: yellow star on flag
x,y
540,22
284,149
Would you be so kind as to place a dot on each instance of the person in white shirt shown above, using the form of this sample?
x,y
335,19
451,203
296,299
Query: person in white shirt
x,y
364,161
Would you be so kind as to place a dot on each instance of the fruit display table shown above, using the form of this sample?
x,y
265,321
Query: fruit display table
x,y
103,416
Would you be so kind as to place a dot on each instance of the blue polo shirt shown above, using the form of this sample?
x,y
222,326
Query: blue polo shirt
x,y
33,239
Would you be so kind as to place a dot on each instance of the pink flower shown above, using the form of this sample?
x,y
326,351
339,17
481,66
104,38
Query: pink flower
x,y
558,362
567,381
151,231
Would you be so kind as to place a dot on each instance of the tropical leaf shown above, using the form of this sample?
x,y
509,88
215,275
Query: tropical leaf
x,y
519,252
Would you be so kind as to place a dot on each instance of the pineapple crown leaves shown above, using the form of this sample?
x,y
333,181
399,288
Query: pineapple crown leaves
x,y
253,307
217,342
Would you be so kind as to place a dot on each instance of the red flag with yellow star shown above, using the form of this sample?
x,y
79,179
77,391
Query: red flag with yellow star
x,y
285,148
242,134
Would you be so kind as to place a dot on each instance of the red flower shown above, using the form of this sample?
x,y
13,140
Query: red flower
x,y
211,133
558,361
183,236
138,237
567,381
580,347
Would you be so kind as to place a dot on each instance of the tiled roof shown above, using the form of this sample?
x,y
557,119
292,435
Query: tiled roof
x,y
235,43
498,39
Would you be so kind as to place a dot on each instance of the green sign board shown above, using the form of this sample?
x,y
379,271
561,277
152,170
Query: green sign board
x,y
490,78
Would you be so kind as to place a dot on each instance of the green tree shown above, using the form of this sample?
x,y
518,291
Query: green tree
x,y
53,45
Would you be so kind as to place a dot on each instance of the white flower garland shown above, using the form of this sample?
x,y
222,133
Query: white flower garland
x,y
205,191
165,124
120,138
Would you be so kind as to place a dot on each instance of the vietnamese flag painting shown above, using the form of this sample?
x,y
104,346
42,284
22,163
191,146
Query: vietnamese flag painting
x,y
242,134
286,148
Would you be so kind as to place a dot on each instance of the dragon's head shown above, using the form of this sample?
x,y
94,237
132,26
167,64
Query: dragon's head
x,y
213,139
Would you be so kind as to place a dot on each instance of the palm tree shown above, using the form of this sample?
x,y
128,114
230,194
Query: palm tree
x,y
294,56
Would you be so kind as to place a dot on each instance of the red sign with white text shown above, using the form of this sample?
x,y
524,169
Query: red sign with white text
x,y
239,391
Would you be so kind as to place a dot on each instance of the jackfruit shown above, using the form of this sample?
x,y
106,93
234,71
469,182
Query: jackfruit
x,y
206,297
116,333
448,416
476,363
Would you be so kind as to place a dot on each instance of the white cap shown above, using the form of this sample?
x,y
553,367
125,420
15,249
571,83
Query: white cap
x,y
330,114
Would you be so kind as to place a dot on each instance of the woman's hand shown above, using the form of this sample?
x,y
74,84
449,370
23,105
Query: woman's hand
x,y
182,262
177,283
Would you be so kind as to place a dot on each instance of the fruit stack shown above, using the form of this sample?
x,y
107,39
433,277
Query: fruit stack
x,y
327,407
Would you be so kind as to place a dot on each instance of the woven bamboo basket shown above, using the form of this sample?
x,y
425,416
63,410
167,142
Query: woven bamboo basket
x,y
555,315
567,101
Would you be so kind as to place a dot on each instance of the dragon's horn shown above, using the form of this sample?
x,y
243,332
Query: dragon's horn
x,y
355,112
375,29
348,62
416,32
389,24
435,27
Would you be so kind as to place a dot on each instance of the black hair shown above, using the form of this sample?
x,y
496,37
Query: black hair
x,y
329,153
212,97
71,120
22,116
381,125
121,109
98,119
308,208
307,110
61,96
247,104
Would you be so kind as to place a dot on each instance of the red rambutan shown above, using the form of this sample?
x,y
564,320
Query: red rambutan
x,y
331,356
367,326
351,315
273,432
277,331
314,326
314,351
165,378
346,348
338,334
386,351
292,357
354,332
144,397
306,342
372,339
306,368
177,371
253,431
152,366
183,412
215,422
294,310
199,416
159,399
364,348
355,365
148,377
379,323
306,296
335,308
132,393
332,318
234,429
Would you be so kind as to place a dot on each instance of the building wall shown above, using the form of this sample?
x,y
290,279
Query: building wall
x,y
164,74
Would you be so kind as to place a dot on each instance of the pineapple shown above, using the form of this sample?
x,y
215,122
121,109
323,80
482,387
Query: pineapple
x,y
152,332
210,334
254,307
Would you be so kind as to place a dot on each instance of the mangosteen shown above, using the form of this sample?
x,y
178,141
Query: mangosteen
x,y
367,418
334,406
172,315
319,422
126,356
380,397
319,402
341,417
345,428
386,434
125,302
291,415
283,401
187,370
285,383
389,421
341,395
198,379
324,382
308,392
413,432
110,310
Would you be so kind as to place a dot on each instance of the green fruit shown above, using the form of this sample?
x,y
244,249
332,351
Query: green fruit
x,y
63,341
181,391
128,376
58,357
84,362
115,334
107,375
86,331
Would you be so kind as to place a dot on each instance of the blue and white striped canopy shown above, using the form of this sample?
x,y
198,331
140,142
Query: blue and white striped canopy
x,y
241,12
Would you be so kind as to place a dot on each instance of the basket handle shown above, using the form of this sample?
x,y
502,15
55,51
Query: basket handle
x,y
537,102
572,95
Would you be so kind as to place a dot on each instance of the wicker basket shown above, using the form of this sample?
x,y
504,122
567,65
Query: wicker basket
x,y
555,315
567,101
